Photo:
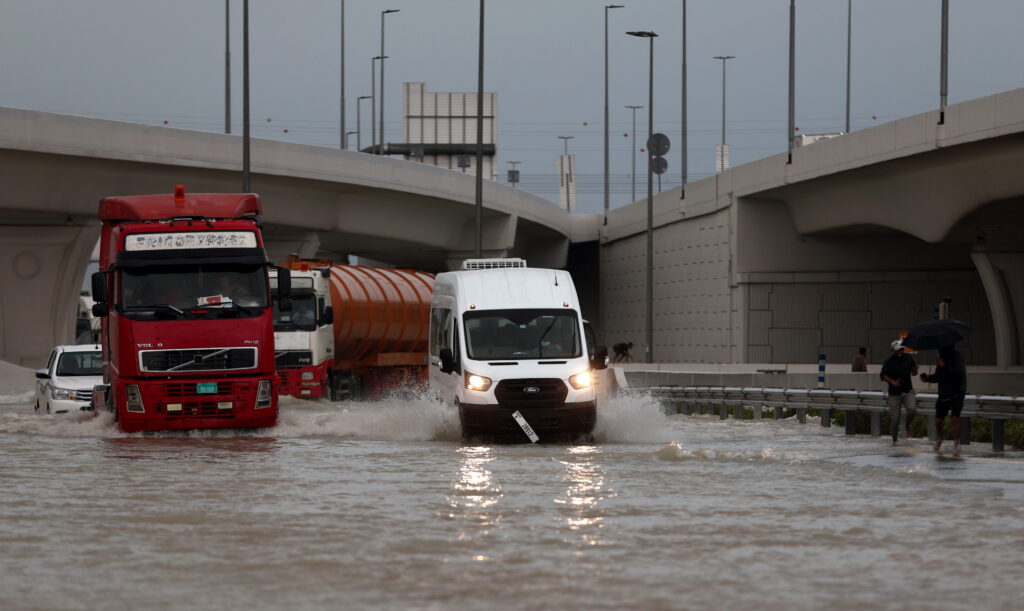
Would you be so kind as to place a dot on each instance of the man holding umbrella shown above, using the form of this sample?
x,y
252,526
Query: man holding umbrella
x,y
898,372
950,374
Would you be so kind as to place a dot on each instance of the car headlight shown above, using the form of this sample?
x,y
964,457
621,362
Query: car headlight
x,y
63,394
477,382
581,380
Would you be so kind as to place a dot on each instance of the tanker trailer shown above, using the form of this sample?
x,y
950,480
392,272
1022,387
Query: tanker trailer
x,y
381,319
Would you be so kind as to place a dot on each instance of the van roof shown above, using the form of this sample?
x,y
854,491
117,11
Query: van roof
x,y
495,289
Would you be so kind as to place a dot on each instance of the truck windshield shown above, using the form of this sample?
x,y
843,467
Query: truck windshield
x,y
80,364
522,334
239,289
302,316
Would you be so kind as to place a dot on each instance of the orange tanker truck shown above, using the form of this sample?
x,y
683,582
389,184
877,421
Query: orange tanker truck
x,y
353,331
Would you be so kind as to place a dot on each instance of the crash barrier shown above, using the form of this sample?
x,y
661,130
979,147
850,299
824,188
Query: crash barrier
x,y
685,399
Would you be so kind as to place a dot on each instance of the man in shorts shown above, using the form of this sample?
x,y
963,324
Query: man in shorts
x,y
951,376
898,372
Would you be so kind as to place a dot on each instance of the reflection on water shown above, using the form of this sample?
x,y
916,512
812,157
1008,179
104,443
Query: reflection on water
x,y
474,491
584,493
163,448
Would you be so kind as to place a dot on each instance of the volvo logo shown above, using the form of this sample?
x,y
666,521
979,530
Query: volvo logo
x,y
531,389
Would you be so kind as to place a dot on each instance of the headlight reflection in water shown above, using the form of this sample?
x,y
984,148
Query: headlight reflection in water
x,y
474,491
584,493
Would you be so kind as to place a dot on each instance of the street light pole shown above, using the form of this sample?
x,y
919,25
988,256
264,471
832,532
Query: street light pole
x,y
944,70
682,119
227,66
373,104
607,189
246,179
478,250
724,59
359,121
849,46
633,133
650,198
792,80
382,58
344,134
565,140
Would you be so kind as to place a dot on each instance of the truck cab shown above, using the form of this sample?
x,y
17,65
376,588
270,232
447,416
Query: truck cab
x,y
304,334
508,342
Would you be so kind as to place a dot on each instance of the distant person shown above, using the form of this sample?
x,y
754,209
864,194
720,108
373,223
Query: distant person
x,y
622,354
860,362
898,372
951,376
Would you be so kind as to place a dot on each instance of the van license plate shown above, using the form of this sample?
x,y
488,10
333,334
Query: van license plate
x,y
206,388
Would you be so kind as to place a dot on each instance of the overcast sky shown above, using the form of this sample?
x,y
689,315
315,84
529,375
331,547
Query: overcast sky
x,y
152,61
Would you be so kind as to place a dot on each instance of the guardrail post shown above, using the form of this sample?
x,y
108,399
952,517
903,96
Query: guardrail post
x,y
826,416
801,415
876,424
965,431
723,411
738,411
757,411
933,431
997,435
851,422
779,412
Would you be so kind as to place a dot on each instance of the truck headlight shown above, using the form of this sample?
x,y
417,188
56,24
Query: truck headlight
x,y
581,380
263,397
307,375
62,394
134,399
476,382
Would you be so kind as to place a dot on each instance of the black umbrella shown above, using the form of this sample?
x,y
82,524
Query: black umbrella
x,y
937,333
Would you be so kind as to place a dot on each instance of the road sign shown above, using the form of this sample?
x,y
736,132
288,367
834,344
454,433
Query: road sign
x,y
659,165
658,144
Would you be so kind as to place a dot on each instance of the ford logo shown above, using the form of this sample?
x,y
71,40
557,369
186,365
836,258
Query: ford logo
x,y
531,389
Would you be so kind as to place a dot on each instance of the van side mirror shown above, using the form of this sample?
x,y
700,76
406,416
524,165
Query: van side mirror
x,y
447,360
99,287
600,360
99,310
328,316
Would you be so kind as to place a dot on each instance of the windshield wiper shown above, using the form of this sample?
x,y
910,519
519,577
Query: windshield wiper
x,y
540,341
157,306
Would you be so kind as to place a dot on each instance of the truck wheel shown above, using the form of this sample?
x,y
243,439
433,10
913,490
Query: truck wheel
x,y
37,405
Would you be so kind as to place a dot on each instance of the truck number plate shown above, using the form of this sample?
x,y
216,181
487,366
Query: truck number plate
x,y
206,388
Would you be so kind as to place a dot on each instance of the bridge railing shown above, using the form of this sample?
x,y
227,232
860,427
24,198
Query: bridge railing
x,y
706,399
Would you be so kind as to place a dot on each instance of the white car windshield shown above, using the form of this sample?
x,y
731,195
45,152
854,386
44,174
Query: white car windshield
x,y
80,364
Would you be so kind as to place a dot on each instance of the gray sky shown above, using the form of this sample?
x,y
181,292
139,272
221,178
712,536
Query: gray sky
x,y
152,61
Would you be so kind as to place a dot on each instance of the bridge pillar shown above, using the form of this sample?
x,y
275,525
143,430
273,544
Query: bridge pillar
x,y
41,271
1002,275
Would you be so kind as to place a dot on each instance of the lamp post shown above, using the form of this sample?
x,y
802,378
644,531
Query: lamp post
x,y
682,115
650,198
944,67
344,134
382,58
792,80
849,46
565,140
227,66
607,190
246,181
724,59
479,194
373,104
359,121
633,133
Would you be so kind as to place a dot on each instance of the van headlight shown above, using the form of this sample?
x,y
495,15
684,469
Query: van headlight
x,y
477,382
581,380
62,394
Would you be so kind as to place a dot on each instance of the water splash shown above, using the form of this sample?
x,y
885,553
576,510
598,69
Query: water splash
x,y
632,418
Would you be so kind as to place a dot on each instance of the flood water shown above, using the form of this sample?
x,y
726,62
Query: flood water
x,y
380,505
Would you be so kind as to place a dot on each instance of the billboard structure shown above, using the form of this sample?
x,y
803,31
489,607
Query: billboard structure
x,y
440,129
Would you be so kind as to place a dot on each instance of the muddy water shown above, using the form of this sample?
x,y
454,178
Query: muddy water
x,y
381,506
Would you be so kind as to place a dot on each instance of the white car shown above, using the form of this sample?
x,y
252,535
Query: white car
x,y
65,384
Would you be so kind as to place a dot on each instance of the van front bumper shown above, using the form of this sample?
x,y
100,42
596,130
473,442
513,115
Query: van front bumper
x,y
566,422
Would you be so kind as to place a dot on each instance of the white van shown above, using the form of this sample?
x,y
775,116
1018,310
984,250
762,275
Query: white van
x,y
508,345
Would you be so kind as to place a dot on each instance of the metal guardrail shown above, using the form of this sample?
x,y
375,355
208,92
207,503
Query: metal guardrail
x,y
996,408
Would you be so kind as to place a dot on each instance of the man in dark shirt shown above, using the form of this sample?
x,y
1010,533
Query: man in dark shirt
x,y
860,362
951,376
898,372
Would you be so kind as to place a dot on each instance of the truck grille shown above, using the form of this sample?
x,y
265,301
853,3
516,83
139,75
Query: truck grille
x,y
520,394
197,408
188,389
293,358
204,359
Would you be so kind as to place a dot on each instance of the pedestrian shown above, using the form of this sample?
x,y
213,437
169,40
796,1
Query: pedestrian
x,y
622,352
860,362
898,372
951,376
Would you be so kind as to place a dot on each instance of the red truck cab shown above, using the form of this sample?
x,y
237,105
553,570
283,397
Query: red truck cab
x,y
187,329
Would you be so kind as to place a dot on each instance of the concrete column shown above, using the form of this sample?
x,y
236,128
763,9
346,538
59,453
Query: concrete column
x,y
990,267
41,272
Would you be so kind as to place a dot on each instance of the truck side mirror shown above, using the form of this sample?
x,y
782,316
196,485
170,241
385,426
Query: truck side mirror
x,y
284,289
99,287
600,360
447,360
99,310
328,316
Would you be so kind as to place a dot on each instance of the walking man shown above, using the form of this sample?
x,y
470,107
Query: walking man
x,y
860,362
951,376
898,372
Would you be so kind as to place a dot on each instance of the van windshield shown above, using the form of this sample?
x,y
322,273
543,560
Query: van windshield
x,y
522,334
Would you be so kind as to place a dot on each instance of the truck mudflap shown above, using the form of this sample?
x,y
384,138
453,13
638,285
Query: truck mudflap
x,y
184,404
304,382
567,422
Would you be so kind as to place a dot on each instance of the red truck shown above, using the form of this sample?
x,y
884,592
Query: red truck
x,y
187,329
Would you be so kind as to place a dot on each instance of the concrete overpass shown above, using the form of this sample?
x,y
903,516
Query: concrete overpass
x,y
852,242
317,201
